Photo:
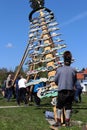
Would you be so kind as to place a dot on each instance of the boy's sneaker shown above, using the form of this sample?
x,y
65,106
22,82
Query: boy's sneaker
x,y
67,124
57,124
26,105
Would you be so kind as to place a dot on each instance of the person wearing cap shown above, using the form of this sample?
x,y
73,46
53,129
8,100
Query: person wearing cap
x,y
65,78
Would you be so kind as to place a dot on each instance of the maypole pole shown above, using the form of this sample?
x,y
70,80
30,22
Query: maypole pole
x,y
42,36
21,63
38,5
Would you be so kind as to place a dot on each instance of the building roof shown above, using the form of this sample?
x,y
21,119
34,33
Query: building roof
x,y
85,71
80,76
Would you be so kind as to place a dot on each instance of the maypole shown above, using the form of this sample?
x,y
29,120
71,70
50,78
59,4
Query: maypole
x,y
43,33
45,47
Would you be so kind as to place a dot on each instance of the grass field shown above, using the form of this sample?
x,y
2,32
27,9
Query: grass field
x,y
33,118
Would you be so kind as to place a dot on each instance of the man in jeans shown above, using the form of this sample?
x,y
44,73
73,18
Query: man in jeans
x,y
78,92
9,87
65,78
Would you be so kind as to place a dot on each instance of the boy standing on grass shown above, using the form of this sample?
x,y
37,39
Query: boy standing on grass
x,y
65,78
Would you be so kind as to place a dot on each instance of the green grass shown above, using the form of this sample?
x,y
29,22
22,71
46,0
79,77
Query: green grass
x,y
33,118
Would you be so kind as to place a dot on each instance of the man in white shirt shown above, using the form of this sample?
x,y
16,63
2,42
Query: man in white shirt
x,y
22,90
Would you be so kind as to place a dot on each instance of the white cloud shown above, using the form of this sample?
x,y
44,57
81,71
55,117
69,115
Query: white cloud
x,y
9,45
76,18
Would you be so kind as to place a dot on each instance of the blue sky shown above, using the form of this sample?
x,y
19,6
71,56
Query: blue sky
x,y
14,28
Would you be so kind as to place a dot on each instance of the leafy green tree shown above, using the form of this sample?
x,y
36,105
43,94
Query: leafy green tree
x,y
4,72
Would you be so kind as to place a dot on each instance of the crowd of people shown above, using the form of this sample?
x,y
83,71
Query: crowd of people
x,y
20,92
69,89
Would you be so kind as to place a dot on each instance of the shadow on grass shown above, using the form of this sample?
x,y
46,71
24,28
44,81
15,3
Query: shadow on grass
x,y
83,108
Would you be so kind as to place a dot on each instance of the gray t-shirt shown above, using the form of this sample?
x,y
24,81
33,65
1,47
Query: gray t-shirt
x,y
65,78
